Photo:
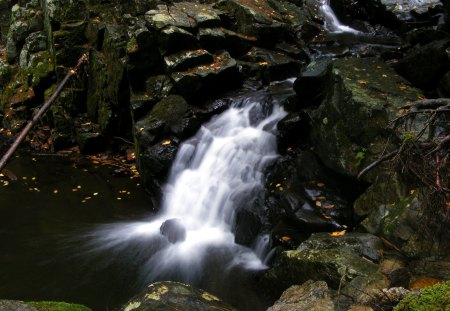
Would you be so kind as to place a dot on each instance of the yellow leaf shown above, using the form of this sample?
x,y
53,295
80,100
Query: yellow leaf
x,y
320,184
285,238
318,204
362,82
338,233
166,142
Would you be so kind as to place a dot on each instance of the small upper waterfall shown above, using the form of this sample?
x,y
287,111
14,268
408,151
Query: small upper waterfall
x,y
331,21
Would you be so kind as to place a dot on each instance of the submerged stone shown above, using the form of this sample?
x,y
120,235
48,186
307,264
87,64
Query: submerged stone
x,y
173,230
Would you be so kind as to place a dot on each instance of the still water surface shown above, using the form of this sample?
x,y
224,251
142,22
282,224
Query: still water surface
x,y
44,216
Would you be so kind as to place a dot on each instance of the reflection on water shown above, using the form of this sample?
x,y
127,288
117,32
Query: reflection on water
x,y
42,216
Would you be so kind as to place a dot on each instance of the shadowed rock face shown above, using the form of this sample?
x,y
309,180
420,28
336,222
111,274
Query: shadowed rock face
x,y
173,230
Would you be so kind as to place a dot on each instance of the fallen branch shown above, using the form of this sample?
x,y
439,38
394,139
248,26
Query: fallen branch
x,y
377,162
41,111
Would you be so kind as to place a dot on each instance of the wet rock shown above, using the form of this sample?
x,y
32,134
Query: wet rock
x,y
362,244
257,18
425,66
214,39
334,266
204,14
69,43
108,89
310,85
349,129
66,10
247,226
173,39
367,286
156,88
170,115
310,295
293,129
186,59
89,137
40,66
154,162
272,65
169,16
173,230
303,194
143,56
167,296
24,21
221,74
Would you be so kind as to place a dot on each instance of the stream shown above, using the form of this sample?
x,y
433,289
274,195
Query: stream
x,y
55,244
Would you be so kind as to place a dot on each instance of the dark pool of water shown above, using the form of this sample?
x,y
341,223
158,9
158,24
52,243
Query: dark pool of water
x,y
48,220
43,217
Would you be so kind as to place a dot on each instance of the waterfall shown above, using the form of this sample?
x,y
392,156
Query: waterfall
x,y
216,172
331,21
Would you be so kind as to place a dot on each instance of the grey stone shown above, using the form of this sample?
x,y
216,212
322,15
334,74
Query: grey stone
x,y
311,296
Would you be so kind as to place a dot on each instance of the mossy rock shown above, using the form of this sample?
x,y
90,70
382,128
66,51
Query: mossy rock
x,y
57,306
350,128
435,298
167,296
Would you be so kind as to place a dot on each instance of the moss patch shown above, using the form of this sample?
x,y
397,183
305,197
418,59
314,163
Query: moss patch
x,y
435,298
57,306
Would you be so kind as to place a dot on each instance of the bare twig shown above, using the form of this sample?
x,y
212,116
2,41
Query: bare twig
x,y
41,111
377,162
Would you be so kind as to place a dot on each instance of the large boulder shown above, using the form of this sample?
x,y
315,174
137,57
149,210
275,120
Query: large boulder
x,y
362,244
312,296
351,126
168,296
335,266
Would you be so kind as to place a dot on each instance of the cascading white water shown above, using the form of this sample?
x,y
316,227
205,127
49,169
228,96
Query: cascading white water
x,y
218,170
331,21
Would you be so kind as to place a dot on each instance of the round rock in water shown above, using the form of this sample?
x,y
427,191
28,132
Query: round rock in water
x,y
173,230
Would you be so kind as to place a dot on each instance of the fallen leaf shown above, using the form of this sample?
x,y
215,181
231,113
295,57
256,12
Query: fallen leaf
x,y
423,282
338,233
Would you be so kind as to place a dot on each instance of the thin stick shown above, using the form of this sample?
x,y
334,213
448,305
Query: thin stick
x,y
39,114
377,162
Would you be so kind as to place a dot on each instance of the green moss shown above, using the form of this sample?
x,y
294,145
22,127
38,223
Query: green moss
x,y
57,306
435,298
132,46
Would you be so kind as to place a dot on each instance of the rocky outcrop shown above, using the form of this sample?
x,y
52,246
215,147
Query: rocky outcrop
x,y
351,126
173,296
334,265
